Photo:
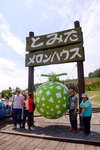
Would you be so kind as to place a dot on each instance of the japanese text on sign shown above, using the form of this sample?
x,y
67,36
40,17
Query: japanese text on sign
x,y
54,39
58,55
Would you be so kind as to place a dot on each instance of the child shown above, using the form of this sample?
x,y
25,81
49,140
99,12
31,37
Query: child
x,y
86,113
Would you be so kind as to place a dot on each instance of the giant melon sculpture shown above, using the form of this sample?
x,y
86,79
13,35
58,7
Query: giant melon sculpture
x,y
52,98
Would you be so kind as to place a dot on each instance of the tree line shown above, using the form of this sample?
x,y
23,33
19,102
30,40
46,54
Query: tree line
x,y
95,74
88,86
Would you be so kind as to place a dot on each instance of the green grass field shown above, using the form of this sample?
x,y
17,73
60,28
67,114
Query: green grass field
x,y
91,93
96,94
96,99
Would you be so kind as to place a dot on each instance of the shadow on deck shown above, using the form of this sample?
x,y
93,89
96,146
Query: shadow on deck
x,y
57,130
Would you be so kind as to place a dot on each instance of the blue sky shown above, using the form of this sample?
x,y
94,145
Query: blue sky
x,y
19,17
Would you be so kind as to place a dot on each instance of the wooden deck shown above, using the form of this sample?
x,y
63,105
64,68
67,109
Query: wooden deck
x,y
44,136
17,142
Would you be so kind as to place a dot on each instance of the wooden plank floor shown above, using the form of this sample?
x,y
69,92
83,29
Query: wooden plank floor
x,y
17,142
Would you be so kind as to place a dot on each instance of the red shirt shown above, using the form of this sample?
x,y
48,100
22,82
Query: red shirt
x,y
30,102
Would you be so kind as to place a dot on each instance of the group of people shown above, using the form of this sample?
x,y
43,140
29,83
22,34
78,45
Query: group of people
x,y
85,114
22,108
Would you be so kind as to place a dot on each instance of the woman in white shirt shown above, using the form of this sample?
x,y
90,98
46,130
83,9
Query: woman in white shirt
x,y
17,108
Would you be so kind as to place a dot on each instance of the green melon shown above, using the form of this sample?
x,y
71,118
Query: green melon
x,y
52,99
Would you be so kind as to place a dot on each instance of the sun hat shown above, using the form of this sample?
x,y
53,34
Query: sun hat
x,y
18,90
71,90
7,97
84,95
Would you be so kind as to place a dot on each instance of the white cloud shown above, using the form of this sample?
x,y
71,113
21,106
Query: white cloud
x,y
91,34
1,46
2,18
11,75
69,68
60,7
88,13
65,12
28,3
11,40
19,80
6,64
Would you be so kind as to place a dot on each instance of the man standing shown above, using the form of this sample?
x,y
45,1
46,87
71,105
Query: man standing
x,y
17,108
73,102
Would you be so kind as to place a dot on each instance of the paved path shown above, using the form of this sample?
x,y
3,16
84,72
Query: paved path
x,y
91,97
95,103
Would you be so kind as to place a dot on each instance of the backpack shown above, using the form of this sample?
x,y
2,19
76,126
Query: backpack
x,y
33,106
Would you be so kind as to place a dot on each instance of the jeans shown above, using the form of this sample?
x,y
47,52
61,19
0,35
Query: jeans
x,y
73,119
17,116
30,118
86,122
25,115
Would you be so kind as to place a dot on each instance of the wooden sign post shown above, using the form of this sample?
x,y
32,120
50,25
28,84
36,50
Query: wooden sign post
x,y
56,48
80,72
31,76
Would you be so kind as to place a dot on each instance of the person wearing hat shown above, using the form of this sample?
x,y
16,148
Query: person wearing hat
x,y
7,102
86,113
17,108
73,102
